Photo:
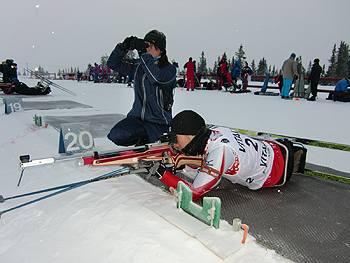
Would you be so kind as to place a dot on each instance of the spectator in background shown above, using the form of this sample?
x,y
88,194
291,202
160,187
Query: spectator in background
x,y
91,73
96,73
222,72
246,70
79,75
314,78
191,68
176,65
341,91
235,73
9,71
289,69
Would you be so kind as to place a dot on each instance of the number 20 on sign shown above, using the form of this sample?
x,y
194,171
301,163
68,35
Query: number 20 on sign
x,y
75,138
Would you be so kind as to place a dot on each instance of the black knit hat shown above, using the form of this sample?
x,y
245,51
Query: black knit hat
x,y
157,38
9,61
187,122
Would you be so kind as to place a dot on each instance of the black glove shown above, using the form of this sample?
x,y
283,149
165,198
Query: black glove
x,y
140,45
127,43
159,169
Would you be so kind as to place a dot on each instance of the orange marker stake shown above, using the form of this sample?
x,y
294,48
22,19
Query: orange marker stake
x,y
172,190
246,228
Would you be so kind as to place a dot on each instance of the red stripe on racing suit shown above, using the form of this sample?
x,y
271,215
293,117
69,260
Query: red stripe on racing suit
x,y
277,167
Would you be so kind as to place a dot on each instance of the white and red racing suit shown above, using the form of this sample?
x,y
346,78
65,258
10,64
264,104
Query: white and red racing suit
x,y
236,157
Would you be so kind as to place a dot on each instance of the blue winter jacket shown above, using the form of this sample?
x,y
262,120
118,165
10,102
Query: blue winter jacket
x,y
153,86
236,71
341,85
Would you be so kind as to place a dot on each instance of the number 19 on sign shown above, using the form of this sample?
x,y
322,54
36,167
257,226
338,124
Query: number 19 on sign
x,y
13,105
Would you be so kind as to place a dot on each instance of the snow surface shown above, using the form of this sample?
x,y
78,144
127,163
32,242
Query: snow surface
x,y
112,221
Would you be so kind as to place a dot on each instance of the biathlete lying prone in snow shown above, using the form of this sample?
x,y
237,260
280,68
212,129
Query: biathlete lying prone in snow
x,y
21,88
226,153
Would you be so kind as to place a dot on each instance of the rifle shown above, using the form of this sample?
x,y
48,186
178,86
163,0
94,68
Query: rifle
x,y
145,156
136,157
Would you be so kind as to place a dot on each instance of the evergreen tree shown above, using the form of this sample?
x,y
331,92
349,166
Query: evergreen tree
x,y
274,71
104,59
309,69
232,63
224,55
202,65
216,64
88,68
240,54
332,63
253,67
323,70
262,67
341,70
215,67
41,69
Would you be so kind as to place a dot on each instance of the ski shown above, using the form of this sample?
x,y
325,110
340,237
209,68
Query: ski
x,y
264,88
50,83
311,142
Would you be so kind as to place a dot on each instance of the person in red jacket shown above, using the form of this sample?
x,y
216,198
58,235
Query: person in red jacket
x,y
191,68
223,74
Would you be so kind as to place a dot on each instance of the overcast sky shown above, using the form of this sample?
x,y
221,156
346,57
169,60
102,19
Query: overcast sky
x,y
72,33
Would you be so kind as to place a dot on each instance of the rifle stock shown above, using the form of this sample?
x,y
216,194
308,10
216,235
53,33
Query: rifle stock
x,y
153,153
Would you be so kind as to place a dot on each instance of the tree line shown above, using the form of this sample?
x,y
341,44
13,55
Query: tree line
x,y
339,63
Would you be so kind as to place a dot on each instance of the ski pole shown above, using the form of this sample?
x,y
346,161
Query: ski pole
x,y
68,187
62,186
38,199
